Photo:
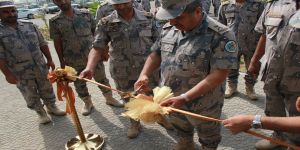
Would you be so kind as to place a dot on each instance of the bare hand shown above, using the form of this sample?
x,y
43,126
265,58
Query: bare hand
x,y
254,69
239,123
298,104
86,73
12,79
50,64
142,85
63,64
176,102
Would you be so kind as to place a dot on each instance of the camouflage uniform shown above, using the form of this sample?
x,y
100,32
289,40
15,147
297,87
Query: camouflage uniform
x,y
242,21
157,3
103,10
188,59
20,47
137,5
146,5
206,5
284,70
77,37
129,48
216,4
273,19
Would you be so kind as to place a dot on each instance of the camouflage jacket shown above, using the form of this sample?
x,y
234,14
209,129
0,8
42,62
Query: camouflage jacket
x,y
130,42
273,19
76,34
187,58
20,47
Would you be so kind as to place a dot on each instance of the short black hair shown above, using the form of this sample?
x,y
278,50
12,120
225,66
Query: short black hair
x,y
190,8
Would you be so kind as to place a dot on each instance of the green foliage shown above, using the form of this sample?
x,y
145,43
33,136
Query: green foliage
x,y
93,7
45,32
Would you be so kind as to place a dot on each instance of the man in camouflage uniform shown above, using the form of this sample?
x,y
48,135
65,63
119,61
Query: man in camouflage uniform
x,y
72,31
271,24
21,61
195,54
241,16
130,34
284,69
105,9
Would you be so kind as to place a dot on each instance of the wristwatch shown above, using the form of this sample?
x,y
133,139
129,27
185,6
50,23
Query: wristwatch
x,y
256,123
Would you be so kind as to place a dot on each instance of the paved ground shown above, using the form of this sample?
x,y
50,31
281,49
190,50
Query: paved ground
x,y
19,129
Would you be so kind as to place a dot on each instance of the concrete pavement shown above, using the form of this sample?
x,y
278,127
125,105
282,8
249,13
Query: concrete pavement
x,y
19,129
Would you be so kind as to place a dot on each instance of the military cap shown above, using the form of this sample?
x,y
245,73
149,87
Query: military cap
x,y
171,9
118,1
5,4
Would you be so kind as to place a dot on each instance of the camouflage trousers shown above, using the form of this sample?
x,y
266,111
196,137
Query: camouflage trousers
x,y
99,76
216,4
35,89
209,133
206,5
234,73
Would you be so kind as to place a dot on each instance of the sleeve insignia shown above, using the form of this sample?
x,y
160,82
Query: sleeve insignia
x,y
231,46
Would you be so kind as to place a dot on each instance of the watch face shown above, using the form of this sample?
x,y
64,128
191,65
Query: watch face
x,y
256,125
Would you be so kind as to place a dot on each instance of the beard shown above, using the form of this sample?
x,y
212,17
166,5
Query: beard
x,y
10,20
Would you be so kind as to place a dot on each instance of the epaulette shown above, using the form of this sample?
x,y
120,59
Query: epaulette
x,y
224,2
167,25
216,26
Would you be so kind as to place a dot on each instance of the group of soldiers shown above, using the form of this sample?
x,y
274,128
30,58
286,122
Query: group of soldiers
x,y
180,46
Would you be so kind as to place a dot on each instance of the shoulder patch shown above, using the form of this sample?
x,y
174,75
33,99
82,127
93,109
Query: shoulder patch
x,y
231,46
295,20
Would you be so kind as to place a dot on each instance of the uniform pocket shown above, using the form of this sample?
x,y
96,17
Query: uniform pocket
x,y
145,42
272,25
167,45
82,27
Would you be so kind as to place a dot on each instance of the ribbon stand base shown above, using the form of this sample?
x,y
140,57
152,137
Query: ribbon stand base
x,y
93,142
